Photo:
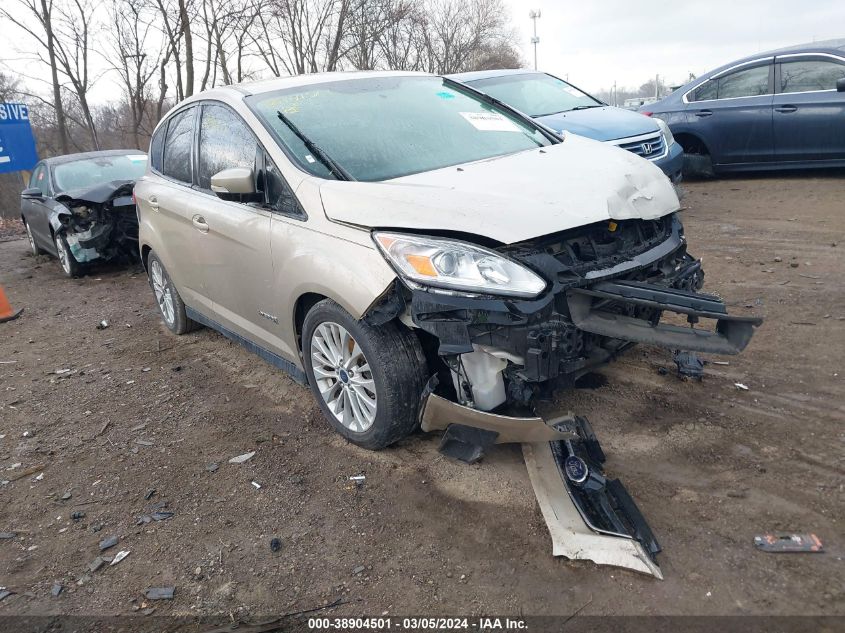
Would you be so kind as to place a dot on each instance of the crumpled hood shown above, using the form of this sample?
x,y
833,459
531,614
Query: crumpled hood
x,y
511,198
98,194
602,124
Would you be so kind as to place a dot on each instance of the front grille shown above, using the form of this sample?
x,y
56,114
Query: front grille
x,y
653,143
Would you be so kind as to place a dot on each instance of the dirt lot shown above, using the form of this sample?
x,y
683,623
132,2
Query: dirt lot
x,y
710,465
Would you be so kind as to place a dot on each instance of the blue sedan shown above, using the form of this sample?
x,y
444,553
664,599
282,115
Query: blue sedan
x,y
775,110
563,107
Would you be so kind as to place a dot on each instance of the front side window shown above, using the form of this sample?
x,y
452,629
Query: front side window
x,y
810,75
380,128
279,195
536,94
752,82
39,181
177,148
225,142
90,172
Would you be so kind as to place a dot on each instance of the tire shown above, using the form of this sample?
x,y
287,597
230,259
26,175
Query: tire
x,y
383,366
170,304
33,247
70,267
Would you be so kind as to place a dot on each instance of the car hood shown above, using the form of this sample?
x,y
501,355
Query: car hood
x,y
511,198
602,124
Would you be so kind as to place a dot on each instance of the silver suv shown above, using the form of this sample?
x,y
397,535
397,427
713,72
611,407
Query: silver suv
x,y
412,249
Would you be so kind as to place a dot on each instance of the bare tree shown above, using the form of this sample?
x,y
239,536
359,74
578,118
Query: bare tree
x,y
136,60
42,11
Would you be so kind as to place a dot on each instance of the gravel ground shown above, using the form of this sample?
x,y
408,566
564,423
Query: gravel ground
x,y
115,422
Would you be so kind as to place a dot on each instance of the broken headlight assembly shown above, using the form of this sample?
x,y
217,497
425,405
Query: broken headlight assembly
x,y
453,265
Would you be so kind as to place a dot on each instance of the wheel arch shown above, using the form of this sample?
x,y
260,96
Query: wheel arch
x,y
691,142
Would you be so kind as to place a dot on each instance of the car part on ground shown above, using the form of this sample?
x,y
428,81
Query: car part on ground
x,y
588,516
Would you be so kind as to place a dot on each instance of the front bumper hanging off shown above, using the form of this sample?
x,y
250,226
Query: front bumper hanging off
x,y
589,516
731,335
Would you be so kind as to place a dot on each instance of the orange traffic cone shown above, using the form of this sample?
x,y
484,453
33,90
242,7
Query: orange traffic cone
x,y
6,312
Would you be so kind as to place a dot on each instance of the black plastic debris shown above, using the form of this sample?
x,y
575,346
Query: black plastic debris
x,y
786,543
78,515
108,542
689,365
7,535
5,593
57,589
466,443
161,516
160,593
275,544
149,494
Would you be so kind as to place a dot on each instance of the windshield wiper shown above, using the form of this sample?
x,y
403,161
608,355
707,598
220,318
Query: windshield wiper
x,y
339,172
583,107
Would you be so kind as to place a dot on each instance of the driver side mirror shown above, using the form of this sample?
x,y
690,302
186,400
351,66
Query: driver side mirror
x,y
236,184
840,85
32,192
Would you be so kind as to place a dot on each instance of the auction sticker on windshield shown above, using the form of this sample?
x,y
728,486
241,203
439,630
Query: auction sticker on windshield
x,y
490,121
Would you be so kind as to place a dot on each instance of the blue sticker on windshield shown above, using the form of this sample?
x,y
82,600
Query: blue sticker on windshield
x,y
445,95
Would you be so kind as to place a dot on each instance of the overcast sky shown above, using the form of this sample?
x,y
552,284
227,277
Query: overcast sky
x,y
599,41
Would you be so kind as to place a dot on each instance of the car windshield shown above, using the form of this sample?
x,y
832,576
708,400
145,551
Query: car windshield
x,y
380,128
89,172
536,94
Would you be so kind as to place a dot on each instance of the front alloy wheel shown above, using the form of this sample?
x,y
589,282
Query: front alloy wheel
x,y
343,375
70,266
367,380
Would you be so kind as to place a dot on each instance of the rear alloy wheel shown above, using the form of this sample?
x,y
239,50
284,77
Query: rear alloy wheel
x,y
169,302
367,380
70,266
33,248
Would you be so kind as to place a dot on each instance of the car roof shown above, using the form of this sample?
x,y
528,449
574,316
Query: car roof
x,y
487,74
70,158
836,47
280,83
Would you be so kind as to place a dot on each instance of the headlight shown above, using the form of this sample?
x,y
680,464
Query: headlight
x,y
667,133
457,265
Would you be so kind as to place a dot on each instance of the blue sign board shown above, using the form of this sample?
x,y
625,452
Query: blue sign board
x,y
17,146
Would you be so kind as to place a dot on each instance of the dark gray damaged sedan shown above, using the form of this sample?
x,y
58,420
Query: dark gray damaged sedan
x,y
79,207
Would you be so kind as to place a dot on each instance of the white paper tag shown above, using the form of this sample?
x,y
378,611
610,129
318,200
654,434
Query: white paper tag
x,y
490,121
137,158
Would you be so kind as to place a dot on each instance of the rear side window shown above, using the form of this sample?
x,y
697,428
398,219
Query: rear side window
x,y
707,90
225,142
156,145
177,149
753,82
810,75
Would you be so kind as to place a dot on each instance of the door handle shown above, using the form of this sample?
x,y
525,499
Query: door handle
x,y
704,113
786,109
153,202
199,223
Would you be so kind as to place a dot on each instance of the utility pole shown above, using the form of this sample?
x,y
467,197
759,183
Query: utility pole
x,y
535,40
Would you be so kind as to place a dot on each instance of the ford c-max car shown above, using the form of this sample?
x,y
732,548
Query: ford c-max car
x,y
415,251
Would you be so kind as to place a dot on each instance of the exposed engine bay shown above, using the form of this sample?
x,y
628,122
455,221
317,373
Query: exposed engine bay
x,y
101,223
610,285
